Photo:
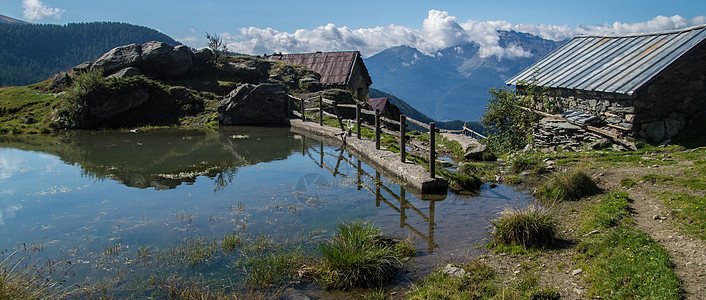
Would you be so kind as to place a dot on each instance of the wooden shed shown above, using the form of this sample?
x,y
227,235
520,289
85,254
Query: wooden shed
x,y
647,85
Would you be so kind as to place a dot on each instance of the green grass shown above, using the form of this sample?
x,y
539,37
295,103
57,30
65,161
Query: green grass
x,y
627,182
479,169
460,181
479,283
531,163
625,263
608,212
530,227
357,256
689,211
27,109
568,185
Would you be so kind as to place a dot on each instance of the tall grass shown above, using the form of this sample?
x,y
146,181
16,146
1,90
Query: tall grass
x,y
568,185
357,257
533,226
22,277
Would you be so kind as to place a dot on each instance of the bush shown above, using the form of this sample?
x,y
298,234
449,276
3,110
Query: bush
x,y
533,226
357,257
568,185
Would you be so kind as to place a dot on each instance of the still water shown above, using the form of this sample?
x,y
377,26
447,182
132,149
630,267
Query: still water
x,y
77,194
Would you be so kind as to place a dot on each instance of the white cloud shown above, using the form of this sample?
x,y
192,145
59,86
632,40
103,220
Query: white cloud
x,y
36,10
190,40
439,30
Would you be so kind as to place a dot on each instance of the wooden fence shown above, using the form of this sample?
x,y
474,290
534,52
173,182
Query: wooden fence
x,y
400,135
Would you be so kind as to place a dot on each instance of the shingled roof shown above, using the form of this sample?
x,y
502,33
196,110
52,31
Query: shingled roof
x,y
334,67
612,64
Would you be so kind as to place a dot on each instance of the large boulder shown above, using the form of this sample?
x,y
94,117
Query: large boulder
x,y
110,106
250,104
126,72
201,57
161,60
119,58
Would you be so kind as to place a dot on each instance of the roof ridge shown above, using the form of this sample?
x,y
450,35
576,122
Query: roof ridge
x,y
666,32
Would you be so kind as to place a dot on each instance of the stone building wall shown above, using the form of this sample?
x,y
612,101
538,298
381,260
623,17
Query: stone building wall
x,y
657,111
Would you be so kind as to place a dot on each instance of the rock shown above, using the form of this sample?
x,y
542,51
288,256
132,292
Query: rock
x,y
126,72
454,271
82,67
576,272
202,57
475,151
251,104
674,124
61,81
246,68
292,294
161,60
656,131
119,58
112,106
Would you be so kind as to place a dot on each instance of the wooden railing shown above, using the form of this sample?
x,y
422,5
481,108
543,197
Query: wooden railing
x,y
380,127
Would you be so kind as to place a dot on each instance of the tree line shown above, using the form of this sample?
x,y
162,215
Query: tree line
x,y
31,53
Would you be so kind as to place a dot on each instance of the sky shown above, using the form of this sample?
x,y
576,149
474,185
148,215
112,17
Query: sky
x,y
370,26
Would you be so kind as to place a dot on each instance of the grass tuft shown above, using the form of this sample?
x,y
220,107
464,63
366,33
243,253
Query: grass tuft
x,y
568,185
531,227
357,257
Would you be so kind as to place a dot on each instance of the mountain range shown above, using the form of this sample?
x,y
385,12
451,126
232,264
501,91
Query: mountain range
x,y
452,83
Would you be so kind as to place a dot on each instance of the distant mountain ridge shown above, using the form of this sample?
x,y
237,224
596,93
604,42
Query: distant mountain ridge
x,y
6,19
452,83
31,53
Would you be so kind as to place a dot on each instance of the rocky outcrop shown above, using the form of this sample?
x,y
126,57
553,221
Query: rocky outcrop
x,y
154,59
110,106
472,148
119,58
126,72
251,104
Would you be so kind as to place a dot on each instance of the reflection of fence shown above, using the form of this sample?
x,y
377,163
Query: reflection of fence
x,y
402,206
400,135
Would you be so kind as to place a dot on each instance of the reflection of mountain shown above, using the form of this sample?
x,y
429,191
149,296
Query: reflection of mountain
x,y
164,159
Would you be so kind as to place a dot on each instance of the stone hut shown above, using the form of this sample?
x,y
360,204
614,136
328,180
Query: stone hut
x,y
342,70
647,85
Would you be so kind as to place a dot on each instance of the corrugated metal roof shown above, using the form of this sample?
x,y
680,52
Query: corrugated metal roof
x,y
613,64
334,67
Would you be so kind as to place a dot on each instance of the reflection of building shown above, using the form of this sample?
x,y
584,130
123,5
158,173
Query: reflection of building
x,y
382,193
343,70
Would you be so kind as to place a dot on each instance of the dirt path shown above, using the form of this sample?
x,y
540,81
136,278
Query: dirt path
x,y
687,253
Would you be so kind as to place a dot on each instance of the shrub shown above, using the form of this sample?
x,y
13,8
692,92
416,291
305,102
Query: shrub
x,y
357,257
533,226
568,185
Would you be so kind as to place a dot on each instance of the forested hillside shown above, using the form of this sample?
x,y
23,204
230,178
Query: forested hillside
x,y
31,53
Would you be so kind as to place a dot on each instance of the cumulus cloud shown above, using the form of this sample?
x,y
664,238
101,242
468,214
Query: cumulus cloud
x,y
439,31
36,10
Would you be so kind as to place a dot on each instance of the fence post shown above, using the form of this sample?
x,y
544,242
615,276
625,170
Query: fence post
x,y
377,129
288,106
321,111
403,137
357,118
432,149
301,102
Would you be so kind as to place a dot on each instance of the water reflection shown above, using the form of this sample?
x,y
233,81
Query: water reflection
x,y
163,159
382,193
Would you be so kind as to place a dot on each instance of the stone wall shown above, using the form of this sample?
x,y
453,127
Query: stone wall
x,y
657,111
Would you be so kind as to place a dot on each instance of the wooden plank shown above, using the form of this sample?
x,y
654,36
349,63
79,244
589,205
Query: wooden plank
x,y
618,127
425,125
390,121
347,105
327,101
368,112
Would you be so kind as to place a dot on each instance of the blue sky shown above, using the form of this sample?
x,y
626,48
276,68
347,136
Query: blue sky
x,y
370,26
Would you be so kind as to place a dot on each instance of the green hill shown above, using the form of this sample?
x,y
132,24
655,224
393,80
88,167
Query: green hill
x,y
31,53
